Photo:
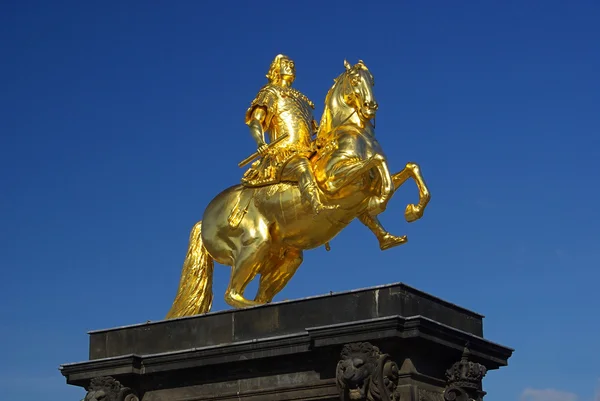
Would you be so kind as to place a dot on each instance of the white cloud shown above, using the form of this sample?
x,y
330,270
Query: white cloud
x,y
532,394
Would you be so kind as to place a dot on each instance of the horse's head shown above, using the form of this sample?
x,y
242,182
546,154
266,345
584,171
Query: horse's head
x,y
356,84
350,101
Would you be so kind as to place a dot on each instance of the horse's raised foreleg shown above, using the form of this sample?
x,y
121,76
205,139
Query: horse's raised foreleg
x,y
413,212
378,204
344,169
386,240
274,278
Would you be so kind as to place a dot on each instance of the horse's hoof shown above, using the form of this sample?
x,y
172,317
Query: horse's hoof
x,y
238,301
413,213
390,241
261,300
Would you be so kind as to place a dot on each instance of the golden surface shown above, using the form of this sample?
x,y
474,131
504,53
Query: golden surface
x,y
301,192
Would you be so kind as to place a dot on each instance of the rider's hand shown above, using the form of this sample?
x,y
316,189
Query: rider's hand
x,y
262,149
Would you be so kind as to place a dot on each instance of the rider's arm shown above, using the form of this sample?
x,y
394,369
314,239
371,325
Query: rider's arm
x,y
256,126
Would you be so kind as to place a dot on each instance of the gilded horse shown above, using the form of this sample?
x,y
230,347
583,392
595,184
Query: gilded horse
x,y
277,224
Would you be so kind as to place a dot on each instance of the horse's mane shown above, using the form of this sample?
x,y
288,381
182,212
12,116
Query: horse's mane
x,y
325,114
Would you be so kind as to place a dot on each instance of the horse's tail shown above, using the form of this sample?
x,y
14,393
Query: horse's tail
x,y
194,295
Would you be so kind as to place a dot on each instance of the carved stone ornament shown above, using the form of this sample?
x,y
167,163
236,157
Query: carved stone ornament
x,y
108,389
464,380
364,373
429,395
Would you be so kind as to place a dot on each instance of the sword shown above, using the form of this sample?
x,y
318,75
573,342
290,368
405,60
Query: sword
x,y
256,154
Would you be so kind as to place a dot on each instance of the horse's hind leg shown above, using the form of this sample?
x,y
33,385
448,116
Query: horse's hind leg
x,y
275,278
247,263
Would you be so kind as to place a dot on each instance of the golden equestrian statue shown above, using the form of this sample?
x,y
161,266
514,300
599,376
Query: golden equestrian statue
x,y
299,194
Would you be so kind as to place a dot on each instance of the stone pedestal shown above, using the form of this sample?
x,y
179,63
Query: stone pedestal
x,y
391,342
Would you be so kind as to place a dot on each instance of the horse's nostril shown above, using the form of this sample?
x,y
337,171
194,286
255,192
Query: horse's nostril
x,y
372,105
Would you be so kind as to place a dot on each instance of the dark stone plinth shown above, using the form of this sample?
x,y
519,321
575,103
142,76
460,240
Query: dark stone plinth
x,y
301,350
278,319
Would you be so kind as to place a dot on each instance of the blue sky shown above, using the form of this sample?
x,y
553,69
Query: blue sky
x,y
119,123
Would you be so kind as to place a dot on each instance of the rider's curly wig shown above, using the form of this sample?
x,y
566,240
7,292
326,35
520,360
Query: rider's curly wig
x,y
273,75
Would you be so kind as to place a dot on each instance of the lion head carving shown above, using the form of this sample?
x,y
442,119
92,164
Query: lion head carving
x,y
108,389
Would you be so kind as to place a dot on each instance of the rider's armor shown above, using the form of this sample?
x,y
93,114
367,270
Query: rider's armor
x,y
287,112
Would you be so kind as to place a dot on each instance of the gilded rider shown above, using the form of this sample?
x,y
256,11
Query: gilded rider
x,y
279,110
